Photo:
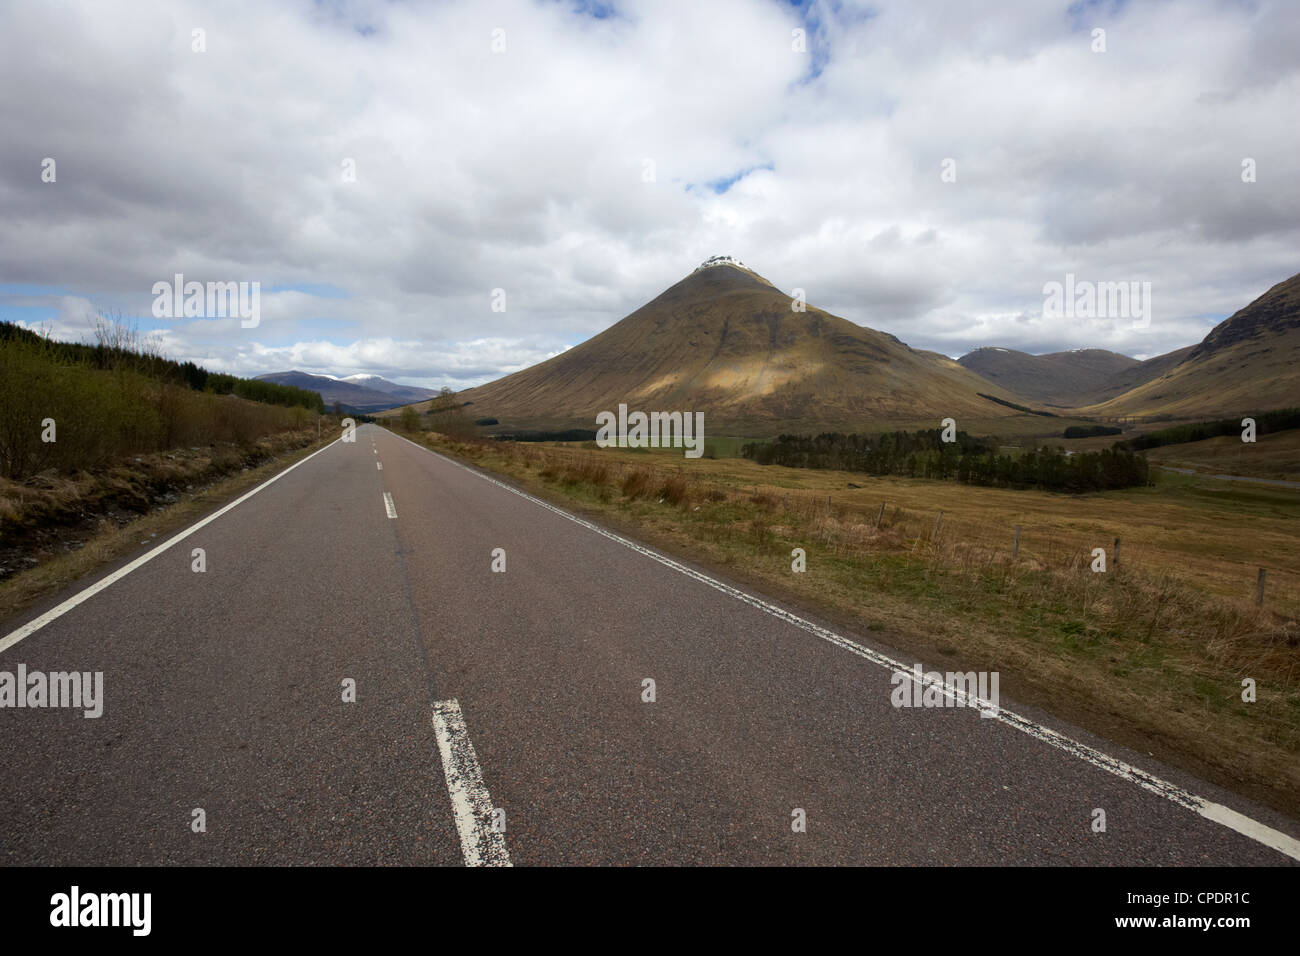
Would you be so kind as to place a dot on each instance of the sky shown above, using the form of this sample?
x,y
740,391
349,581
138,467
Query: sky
x,y
442,193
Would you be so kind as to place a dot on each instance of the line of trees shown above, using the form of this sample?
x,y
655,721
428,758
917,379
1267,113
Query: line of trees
x,y
256,390
923,454
568,434
1090,431
72,407
120,347
1019,408
1265,422
893,453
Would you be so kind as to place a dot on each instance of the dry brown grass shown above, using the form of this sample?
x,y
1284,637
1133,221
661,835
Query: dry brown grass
x,y
1275,456
675,491
636,483
588,470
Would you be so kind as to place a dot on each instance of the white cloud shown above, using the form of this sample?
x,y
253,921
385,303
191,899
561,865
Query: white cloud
x,y
523,170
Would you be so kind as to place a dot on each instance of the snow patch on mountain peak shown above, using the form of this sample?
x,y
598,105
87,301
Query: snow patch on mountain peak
x,y
712,261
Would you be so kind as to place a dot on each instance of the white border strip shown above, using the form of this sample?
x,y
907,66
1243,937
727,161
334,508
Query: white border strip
x,y
470,801
1246,826
31,627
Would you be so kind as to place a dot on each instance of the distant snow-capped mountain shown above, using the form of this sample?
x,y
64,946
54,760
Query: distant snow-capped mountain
x,y
361,392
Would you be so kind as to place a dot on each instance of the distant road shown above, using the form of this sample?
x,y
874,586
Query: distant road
x,y
1257,481
489,700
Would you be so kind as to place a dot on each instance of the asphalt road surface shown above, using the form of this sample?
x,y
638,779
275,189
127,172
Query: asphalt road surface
x,y
502,716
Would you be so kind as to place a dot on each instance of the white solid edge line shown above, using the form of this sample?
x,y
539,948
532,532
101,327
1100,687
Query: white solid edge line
x,y
389,506
31,627
1225,816
470,802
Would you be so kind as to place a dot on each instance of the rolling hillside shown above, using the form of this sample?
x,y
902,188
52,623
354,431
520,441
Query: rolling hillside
x,y
1135,375
1248,362
725,341
405,393
1059,378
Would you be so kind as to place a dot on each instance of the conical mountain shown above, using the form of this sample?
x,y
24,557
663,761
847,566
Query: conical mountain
x,y
726,342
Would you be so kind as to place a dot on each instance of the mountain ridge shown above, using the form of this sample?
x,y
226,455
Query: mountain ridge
x,y
1056,378
1248,362
349,392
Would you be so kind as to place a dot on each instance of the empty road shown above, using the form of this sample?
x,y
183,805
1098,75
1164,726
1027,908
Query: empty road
x,y
505,715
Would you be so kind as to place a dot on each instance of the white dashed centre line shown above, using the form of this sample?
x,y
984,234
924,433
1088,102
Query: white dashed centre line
x,y
389,506
482,842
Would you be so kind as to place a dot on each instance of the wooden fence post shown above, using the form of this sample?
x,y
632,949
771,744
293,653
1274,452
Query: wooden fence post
x,y
1259,588
1116,560
934,535
1015,551
880,517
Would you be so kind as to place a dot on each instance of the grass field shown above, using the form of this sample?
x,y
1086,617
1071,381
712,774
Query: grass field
x,y
1151,653
1274,456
